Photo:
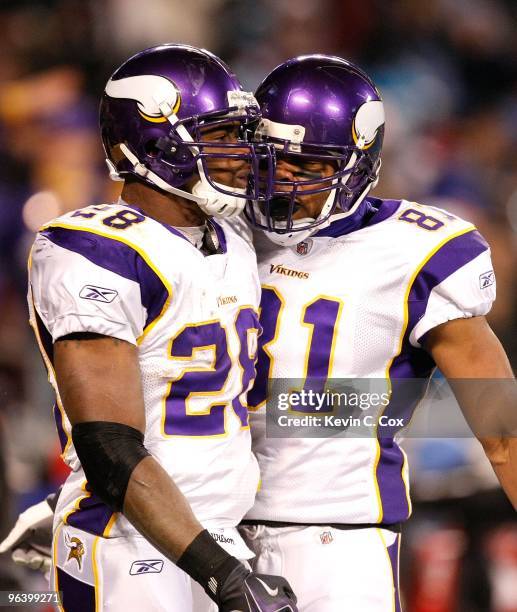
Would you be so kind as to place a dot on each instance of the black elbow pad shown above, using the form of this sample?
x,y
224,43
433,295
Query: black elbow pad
x,y
108,452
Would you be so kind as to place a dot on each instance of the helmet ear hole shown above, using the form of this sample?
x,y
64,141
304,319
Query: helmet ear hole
x,y
363,166
151,149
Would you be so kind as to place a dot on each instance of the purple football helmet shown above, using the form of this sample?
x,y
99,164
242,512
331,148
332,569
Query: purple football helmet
x,y
153,114
318,108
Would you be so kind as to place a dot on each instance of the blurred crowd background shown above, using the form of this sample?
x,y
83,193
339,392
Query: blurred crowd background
x,y
447,70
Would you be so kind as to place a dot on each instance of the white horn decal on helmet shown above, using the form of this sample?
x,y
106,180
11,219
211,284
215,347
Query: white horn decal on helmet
x,y
150,93
367,121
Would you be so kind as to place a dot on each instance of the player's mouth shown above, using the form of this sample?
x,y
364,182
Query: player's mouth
x,y
279,208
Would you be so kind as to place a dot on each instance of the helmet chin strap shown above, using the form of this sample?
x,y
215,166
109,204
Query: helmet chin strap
x,y
144,172
203,194
211,201
218,204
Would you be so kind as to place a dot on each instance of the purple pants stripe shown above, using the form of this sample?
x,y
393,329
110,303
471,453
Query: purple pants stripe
x,y
77,596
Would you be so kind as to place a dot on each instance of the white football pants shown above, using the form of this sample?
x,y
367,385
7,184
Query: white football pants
x,y
124,574
331,570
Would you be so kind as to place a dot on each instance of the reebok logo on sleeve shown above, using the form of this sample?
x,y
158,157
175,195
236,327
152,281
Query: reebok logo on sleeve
x,y
486,279
99,294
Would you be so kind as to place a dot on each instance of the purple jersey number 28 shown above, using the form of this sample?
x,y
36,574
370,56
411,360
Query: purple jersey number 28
x,y
210,380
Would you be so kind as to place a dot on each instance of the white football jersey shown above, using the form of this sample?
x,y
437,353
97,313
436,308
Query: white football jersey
x,y
357,305
112,270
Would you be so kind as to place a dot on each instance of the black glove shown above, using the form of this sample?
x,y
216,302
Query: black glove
x,y
244,591
231,585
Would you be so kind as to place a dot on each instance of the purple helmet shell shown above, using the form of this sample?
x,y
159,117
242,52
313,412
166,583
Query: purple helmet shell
x,y
156,106
319,108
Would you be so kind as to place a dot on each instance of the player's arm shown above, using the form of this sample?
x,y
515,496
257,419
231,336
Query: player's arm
x,y
100,387
91,342
468,349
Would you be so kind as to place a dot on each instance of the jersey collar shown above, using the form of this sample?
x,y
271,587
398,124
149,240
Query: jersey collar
x,y
370,212
212,226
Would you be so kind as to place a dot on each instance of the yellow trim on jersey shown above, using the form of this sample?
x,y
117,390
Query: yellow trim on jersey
x,y
77,502
403,471
109,526
96,582
238,361
49,366
143,255
375,481
210,368
412,279
77,508
272,341
54,561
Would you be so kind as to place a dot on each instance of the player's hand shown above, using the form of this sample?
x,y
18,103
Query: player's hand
x,y
30,539
245,591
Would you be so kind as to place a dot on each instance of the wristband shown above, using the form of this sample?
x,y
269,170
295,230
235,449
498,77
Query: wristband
x,y
207,563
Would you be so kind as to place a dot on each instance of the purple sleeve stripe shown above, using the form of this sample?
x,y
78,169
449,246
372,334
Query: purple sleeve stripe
x,y
117,257
448,259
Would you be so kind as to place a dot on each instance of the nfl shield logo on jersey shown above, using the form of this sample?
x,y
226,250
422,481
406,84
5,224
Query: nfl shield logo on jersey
x,y
326,537
304,247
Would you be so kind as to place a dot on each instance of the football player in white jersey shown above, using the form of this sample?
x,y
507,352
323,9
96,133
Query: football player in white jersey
x,y
145,312
353,287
